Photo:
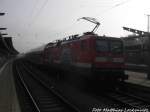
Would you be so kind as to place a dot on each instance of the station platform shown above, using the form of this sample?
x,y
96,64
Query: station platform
x,y
8,96
138,78
137,67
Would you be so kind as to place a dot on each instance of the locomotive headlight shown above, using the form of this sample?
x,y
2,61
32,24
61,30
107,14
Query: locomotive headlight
x,y
101,59
119,60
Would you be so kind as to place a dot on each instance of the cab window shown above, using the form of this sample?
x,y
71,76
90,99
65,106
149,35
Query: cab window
x,y
102,46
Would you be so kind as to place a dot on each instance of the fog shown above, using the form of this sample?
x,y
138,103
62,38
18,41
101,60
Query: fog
x,y
32,23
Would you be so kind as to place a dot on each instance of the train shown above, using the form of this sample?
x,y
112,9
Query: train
x,y
88,55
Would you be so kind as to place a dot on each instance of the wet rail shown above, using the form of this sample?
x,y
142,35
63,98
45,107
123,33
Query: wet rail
x,y
40,95
128,100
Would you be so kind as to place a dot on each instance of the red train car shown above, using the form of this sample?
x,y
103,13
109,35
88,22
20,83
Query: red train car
x,y
91,55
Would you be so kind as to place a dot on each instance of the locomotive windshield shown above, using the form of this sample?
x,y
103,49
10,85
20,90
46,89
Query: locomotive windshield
x,y
116,47
113,46
102,46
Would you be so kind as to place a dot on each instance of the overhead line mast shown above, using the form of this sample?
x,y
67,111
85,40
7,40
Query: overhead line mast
x,y
148,22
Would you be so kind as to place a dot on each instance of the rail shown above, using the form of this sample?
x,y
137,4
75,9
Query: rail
x,y
43,97
127,100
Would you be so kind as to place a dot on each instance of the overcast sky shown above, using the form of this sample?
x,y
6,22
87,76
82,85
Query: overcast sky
x,y
35,22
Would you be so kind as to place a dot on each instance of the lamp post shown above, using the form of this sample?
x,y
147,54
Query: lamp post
x,y
148,74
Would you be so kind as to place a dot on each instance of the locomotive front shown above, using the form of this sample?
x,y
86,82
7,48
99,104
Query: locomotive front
x,y
109,62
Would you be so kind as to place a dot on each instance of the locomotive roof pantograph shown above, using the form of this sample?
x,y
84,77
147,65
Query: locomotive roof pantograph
x,y
92,20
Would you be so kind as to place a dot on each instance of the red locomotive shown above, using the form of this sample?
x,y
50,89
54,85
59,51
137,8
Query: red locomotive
x,y
91,55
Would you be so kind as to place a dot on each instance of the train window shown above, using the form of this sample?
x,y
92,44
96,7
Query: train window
x,y
102,46
116,46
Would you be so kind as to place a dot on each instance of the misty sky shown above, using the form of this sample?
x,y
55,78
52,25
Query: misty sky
x,y
35,22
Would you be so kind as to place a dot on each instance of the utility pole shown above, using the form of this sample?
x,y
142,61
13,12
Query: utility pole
x,y
148,72
147,22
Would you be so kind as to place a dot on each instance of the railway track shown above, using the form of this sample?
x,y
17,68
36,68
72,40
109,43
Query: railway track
x,y
127,100
138,90
38,96
44,101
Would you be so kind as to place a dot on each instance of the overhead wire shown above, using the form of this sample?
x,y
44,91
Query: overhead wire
x,y
33,10
121,3
31,16
108,3
38,12
104,3
34,14
112,7
115,6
